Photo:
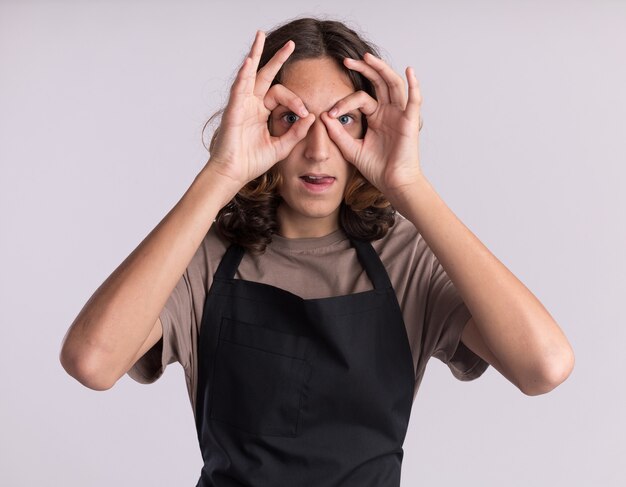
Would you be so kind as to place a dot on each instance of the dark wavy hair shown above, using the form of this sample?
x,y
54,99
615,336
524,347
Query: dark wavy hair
x,y
250,218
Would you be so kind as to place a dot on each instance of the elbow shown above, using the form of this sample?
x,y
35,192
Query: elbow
x,y
552,375
85,369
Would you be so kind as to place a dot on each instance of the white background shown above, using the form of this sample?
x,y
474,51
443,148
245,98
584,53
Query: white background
x,y
101,109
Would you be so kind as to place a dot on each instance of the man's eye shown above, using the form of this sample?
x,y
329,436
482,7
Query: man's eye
x,y
290,117
345,119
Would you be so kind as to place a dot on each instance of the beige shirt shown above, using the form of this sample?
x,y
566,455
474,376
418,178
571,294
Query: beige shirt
x,y
433,311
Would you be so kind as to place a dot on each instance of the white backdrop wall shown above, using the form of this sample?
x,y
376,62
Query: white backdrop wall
x,y
101,109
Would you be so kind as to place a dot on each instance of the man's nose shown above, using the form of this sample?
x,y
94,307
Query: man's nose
x,y
318,142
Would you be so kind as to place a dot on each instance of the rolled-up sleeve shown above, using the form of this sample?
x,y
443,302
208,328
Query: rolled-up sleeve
x,y
175,320
446,317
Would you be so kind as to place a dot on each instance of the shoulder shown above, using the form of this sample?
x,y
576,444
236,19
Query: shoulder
x,y
404,251
208,254
214,242
401,239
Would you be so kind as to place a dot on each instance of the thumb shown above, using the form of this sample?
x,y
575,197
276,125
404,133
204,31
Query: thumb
x,y
286,142
348,145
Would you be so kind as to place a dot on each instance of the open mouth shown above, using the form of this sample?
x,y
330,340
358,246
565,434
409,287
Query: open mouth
x,y
317,183
317,179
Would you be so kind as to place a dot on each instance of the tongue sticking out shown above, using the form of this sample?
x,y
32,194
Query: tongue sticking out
x,y
324,180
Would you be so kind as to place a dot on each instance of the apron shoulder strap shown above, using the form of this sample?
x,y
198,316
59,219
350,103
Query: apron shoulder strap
x,y
371,262
229,263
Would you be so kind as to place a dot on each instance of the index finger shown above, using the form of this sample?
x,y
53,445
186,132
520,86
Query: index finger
x,y
395,83
267,73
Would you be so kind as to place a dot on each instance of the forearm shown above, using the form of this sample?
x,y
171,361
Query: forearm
x,y
514,324
117,319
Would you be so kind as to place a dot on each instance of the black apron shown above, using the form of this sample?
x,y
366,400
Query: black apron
x,y
302,392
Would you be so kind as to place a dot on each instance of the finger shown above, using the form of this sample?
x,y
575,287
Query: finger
x,y
243,78
348,145
395,83
358,100
267,73
250,64
244,81
257,48
382,91
281,95
286,142
415,97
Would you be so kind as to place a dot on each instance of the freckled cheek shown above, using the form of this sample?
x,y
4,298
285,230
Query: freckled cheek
x,y
354,130
283,172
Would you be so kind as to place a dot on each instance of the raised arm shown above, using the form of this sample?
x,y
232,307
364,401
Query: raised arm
x,y
104,340
509,327
120,320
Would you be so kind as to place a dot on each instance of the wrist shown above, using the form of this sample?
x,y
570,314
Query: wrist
x,y
221,188
405,196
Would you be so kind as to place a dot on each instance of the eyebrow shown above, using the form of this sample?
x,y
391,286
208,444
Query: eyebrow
x,y
354,111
